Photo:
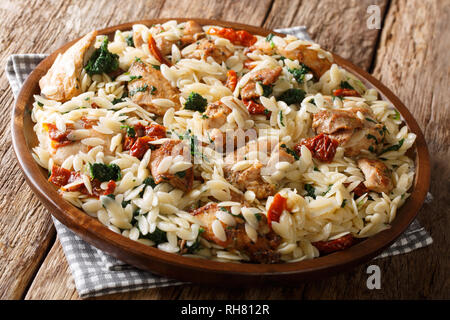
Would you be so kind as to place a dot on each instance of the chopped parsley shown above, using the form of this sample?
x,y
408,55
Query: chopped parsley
x,y
291,152
267,89
158,236
135,77
310,191
371,120
155,66
102,61
397,115
326,191
343,203
152,90
196,102
180,174
369,136
299,73
293,95
194,247
395,147
104,172
346,85
130,130
258,216
40,104
130,41
149,181
139,89
125,203
269,39
280,115
118,100
204,116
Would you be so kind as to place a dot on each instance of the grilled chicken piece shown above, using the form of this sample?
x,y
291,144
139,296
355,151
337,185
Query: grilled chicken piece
x,y
265,47
216,114
164,45
353,133
62,81
206,48
303,54
310,58
191,33
151,85
251,177
183,180
261,251
137,39
266,76
377,175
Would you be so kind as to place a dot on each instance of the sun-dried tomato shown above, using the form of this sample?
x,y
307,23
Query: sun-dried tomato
x,y
58,138
231,80
88,123
335,245
255,108
360,189
140,146
154,50
139,143
155,130
237,37
322,147
61,177
278,205
346,93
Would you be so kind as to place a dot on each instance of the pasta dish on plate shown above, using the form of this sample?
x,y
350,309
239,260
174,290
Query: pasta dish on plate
x,y
215,143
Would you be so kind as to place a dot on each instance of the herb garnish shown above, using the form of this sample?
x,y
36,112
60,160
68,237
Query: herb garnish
x,y
291,96
395,147
130,130
310,191
104,172
299,73
139,89
102,61
291,152
196,102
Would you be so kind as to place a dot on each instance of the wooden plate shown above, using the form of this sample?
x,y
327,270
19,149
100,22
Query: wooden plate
x,y
200,270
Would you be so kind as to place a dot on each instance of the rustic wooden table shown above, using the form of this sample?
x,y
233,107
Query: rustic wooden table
x,y
410,54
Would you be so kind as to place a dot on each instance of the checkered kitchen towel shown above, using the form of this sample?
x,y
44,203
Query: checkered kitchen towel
x,y
96,273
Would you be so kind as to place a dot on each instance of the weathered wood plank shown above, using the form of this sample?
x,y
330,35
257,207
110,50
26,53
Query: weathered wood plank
x,y
248,12
53,280
340,27
414,61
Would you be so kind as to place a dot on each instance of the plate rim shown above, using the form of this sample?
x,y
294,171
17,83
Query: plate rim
x,y
208,271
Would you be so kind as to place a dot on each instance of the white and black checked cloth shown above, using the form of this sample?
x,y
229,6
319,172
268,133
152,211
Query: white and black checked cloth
x,y
96,273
